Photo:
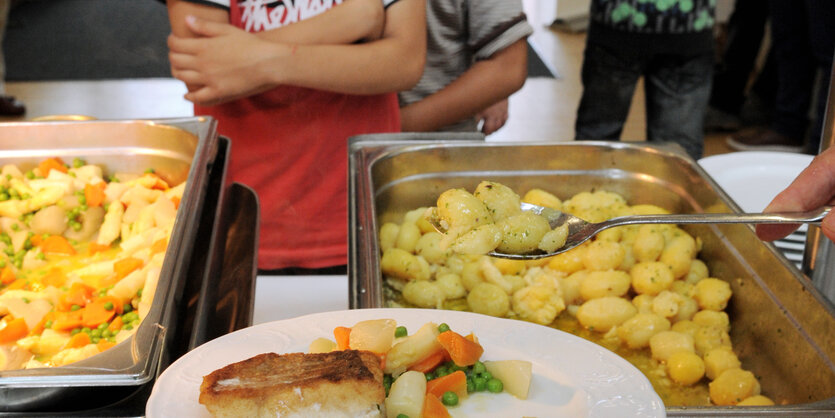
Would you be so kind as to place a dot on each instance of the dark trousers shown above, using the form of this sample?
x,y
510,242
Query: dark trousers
x,y
803,41
676,87
746,30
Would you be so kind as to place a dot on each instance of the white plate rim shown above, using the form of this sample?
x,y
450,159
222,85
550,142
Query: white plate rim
x,y
606,384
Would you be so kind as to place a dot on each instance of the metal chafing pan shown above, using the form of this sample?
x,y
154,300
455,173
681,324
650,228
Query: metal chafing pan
x,y
782,328
179,150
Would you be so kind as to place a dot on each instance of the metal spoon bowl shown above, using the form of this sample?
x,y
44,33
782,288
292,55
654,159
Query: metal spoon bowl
x,y
579,231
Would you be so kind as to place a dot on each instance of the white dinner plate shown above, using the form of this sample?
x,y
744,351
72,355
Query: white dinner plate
x,y
752,179
571,376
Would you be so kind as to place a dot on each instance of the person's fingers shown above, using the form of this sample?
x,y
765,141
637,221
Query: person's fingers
x,y
181,62
828,226
188,76
185,45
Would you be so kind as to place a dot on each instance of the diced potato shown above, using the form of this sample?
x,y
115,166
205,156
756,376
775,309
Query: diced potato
x,y
406,395
514,374
375,335
321,345
412,349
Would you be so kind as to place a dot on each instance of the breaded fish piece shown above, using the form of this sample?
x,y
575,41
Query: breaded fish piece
x,y
345,383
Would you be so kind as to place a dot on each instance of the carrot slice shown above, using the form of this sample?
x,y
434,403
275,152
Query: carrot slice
x,y
103,344
65,321
79,294
7,275
461,350
95,247
56,244
431,362
97,312
55,277
78,340
13,331
126,266
159,245
94,194
54,163
116,324
434,408
343,337
453,382
39,327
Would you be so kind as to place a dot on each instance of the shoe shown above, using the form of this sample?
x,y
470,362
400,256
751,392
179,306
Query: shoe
x,y
762,139
9,106
720,121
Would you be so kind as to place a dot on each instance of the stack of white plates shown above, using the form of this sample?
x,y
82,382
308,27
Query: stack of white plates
x,y
752,179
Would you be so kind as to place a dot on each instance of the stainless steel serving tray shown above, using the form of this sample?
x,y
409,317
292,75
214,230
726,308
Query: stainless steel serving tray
x,y
179,150
782,328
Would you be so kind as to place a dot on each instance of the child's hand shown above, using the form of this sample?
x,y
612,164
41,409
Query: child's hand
x,y
494,117
223,63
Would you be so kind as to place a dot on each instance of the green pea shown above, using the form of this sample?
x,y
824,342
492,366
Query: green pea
x,y
108,306
495,385
48,324
95,340
75,331
112,339
106,333
400,332
77,162
402,416
443,327
478,368
470,385
480,384
103,326
86,330
75,307
449,398
15,227
95,333
30,174
4,196
487,375
127,308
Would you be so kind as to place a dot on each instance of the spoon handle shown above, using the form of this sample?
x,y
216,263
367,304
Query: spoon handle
x,y
812,216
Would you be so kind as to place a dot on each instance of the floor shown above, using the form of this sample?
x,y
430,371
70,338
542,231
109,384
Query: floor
x,y
543,110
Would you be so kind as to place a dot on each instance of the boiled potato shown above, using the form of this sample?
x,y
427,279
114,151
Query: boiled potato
x,y
635,332
428,246
489,299
666,343
602,314
407,237
321,345
406,395
424,294
603,255
500,200
718,360
514,374
460,209
712,294
479,240
399,263
600,284
732,386
521,233
756,400
375,335
651,277
412,349
649,243
685,368
554,239
540,197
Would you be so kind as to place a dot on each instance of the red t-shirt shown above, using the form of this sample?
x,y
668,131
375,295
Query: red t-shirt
x,y
290,145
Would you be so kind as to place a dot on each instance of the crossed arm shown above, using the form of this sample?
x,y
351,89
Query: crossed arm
x,y
219,62
486,84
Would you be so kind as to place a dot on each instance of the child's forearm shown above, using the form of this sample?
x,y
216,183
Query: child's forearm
x,y
349,22
484,84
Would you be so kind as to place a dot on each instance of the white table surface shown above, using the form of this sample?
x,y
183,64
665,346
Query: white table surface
x,y
284,297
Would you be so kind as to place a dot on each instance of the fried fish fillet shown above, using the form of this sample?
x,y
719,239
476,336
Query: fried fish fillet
x,y
336,384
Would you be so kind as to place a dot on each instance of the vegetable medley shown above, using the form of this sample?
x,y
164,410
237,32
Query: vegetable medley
x,y
431,370
639,290
80,256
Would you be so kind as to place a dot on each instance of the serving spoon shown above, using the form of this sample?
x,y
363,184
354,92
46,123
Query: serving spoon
x,y
579,230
